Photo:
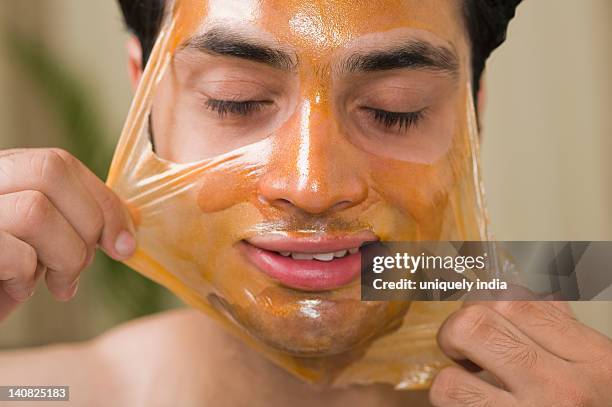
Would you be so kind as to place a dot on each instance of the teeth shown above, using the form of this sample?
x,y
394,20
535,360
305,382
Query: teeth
x,y
324,256
340,253
353,250
302,256
319,256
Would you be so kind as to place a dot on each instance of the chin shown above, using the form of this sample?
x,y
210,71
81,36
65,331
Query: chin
x,y
317,326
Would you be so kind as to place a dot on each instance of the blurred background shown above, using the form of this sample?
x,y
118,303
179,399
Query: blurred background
x,y
547,137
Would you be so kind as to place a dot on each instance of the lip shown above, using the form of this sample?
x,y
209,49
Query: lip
x,y
307,275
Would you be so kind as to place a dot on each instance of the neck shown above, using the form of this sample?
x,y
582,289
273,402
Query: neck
x,y
260,379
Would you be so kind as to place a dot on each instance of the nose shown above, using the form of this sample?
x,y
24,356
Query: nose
x,y
313,170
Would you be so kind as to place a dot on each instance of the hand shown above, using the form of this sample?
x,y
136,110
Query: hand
x,y
539,354
53,212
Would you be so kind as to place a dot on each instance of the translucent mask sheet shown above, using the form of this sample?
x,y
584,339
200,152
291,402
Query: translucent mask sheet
x,y
311,159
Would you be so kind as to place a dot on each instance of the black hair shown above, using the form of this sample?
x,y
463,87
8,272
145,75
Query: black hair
x,y
143,19
486,20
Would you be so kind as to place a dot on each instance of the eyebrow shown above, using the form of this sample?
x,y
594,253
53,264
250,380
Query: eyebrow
x,y
411,55
224,42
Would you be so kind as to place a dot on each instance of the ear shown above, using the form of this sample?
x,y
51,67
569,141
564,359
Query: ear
x,y
134,51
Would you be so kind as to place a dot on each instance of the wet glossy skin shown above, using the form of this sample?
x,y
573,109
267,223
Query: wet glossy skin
x,y
311,156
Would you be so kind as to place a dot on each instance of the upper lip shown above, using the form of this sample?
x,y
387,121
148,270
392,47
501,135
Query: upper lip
x,y
317,243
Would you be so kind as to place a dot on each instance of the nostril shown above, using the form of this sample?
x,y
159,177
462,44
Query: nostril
x,y
339,192
282,202
340,206
279,203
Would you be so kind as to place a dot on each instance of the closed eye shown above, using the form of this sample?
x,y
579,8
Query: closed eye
x,y
400,121
239,108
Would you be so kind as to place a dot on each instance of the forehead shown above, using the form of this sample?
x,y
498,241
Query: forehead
x,y
321,26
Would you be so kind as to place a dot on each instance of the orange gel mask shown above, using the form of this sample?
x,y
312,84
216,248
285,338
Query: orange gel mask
x,y
303,119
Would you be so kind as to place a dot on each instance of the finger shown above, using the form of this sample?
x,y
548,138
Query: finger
x,y
18,262
552,325
117,238
485,337
7,305
46,171
31,217
454,387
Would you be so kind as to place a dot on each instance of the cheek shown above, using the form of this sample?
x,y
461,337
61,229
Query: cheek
x,y
164,118
419,191
231,178
223,188
181,133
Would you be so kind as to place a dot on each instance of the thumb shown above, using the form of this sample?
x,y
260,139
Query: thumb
x,y
118,238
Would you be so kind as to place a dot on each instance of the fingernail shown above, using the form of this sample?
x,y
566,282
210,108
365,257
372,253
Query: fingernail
x,y
125,244
74,288
71,291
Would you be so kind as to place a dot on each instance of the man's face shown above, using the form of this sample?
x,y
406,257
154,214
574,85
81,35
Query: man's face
x,y
322,125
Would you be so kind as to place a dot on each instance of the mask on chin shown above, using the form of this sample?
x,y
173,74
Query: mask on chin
x,y
196,204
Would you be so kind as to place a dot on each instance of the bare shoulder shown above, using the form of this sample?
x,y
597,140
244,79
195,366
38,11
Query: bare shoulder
x,y
176,355
125,365
176,337
170,325
155,359
185,355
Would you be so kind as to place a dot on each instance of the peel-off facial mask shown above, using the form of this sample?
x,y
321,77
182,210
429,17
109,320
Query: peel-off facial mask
x,y
262,131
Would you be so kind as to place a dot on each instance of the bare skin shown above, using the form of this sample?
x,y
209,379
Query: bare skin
x,y
540,353
178,356
53,214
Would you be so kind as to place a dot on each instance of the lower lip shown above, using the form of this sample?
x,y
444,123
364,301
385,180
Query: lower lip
x,y
308,275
